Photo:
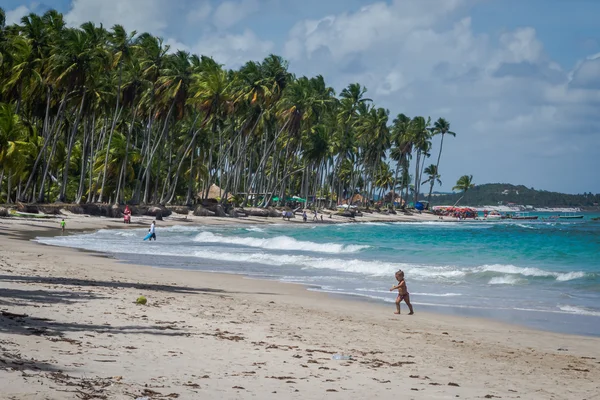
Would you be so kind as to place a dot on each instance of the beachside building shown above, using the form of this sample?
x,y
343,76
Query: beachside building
x,y
356,200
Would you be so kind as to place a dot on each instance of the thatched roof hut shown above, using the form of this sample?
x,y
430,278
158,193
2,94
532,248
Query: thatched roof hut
x,y
214,193
356,200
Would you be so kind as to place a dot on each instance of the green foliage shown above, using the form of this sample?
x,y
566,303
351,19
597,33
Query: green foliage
x,y
503,193
92,114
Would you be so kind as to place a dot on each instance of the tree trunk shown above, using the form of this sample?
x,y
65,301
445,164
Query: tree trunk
x,y
63,189
110,135
86,135
9,188
121,185
183,156
153,151
440,154
46,169
461,197
46,135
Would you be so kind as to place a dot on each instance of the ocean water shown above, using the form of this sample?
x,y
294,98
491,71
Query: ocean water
x,y
543,274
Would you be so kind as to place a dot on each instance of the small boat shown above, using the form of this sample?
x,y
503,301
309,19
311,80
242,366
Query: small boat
x,y
492,216
30,215
524,216
570,216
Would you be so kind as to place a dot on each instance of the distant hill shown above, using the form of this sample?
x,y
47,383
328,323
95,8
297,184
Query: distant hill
x,y
502,193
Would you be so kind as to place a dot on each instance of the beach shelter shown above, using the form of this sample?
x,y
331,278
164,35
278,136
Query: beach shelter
x,y
215,193
298,199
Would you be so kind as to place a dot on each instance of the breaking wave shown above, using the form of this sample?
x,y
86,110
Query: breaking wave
x,y
279,243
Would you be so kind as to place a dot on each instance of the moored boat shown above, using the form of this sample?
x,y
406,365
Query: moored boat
x,y
524,216
570,216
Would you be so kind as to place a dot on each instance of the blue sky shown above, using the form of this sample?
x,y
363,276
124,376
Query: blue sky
x,y
519,80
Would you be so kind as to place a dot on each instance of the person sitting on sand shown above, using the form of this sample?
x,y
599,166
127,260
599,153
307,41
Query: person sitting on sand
x,y
402,293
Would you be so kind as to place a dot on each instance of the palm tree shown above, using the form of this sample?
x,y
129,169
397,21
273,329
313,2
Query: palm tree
x,y
420,135
440,127
14,147
432,177
104,114
463,184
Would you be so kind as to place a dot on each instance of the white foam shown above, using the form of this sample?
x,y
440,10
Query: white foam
x,y
374,223
535,272
526,226
374,290
504,280
112,242
569,276
437,294
254,229
579,310
279,243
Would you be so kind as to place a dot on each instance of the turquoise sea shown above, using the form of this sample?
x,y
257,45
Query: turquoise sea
x,y
544,274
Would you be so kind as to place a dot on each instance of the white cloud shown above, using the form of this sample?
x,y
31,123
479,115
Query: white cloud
x,y
184,25
200,13
230,13
510,103
14,16
141,15
503,95
234,50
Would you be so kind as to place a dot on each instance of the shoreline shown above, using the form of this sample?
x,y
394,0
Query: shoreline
x,y
235,314
539,320
89,224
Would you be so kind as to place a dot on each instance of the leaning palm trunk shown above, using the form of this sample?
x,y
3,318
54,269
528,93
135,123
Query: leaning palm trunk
x,y
46,169
437,166
395,184
112,130
46,134
120,186
430,192
63,189
262,161
86,139
458,201
417,164
153,151
183,156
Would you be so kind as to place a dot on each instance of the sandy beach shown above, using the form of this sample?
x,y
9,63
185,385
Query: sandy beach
x,y
70,328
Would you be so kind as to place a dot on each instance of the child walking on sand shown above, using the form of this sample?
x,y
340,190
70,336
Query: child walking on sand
x,y
402,293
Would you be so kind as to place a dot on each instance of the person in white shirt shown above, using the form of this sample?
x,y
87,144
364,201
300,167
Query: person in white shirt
x,y
153,231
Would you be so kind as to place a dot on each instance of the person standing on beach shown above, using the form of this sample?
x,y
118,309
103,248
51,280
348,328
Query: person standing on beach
x,y
153,231
402,293
63,225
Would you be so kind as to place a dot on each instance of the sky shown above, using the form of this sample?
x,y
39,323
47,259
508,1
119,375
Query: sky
x,y
518,80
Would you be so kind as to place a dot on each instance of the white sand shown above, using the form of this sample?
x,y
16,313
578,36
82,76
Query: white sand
x,y
212,336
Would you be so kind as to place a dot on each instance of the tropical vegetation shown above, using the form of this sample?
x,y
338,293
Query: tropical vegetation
x,y
95,115
492,194
463,184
